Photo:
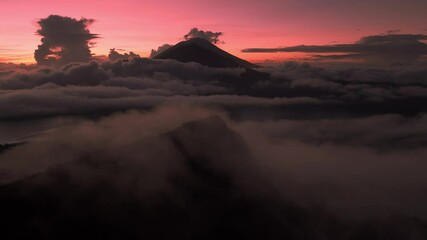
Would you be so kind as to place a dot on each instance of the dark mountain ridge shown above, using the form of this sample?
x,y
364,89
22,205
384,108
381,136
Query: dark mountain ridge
x,y
202,51
194,182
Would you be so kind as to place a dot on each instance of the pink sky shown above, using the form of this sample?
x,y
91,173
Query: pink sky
x,y
140,25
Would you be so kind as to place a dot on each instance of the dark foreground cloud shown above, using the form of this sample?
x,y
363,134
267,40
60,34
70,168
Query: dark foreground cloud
x,y
64,40
392,47
185,172
212,37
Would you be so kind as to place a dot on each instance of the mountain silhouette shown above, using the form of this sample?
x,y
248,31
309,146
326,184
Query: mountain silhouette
x,y
204,52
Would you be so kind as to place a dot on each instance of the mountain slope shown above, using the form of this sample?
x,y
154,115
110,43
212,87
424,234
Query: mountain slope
x,y
197,181
202,51
181,184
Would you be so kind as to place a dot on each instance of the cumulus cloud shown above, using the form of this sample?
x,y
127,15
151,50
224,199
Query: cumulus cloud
x,y
64,40
159,50
393,47
212,37
115,55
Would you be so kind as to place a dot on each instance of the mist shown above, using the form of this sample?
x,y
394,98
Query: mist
x,y
151,156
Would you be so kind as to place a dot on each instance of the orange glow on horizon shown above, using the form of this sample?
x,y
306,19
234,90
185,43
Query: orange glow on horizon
x,y
140,26
251,57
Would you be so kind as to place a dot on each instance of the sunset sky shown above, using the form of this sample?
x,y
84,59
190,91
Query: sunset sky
x,y
213,119
141,25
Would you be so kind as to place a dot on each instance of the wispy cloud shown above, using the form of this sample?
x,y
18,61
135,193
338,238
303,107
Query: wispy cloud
x,y
391,47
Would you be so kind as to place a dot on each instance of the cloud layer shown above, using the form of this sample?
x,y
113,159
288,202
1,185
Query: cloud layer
x,y
150,148
289,90
115,55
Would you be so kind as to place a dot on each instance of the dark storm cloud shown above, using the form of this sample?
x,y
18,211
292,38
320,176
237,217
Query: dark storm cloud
x,y
391,47
115,55
159,50
64,40
212,37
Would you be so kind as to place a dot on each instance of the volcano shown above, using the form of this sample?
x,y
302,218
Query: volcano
x,y
204,52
